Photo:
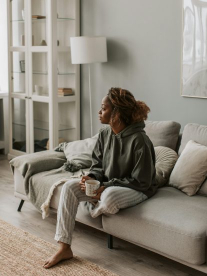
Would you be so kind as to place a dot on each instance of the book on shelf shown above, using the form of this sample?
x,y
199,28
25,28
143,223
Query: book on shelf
x,y
65,91
38,16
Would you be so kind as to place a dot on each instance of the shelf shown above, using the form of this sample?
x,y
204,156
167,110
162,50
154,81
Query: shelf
x,y
40,73
39,125
65,18
64,74
15,72
17,49
63,99
19,95
17,20
41,49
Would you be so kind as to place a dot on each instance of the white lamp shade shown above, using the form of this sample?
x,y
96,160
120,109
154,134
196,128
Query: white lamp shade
x,y
86,49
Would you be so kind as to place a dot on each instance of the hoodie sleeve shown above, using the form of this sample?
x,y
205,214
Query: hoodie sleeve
x,y
96,169
142,173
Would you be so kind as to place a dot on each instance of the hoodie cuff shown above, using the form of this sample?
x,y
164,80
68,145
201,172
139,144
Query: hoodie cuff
x,y
92,175
108,184
95,175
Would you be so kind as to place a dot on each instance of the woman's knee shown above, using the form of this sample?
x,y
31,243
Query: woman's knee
x,y
70,185
109,197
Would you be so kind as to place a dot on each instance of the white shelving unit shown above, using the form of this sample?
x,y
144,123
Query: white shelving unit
x,y
39,64
3,122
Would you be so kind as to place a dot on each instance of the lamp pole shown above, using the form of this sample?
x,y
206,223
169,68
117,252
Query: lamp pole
x,y
90,98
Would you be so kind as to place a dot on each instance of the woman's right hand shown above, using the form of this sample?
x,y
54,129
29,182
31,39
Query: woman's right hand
x,y
82,182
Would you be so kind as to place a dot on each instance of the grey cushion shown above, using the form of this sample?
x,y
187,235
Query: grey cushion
x,y
165,161
163,133
195,132
170,222
191,168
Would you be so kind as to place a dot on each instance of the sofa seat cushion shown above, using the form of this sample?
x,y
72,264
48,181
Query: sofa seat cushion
x,y
170,222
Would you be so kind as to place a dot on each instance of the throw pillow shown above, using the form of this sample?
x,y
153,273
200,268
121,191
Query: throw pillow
x,y
78,153
165,161
191,168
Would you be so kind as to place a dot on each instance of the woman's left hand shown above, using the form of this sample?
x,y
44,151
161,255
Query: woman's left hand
x,y
99,192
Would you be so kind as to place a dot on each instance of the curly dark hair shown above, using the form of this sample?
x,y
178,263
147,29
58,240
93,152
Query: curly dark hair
x,y
125,106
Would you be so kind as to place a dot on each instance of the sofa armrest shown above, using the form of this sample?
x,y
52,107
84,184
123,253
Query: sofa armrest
x,y
38,162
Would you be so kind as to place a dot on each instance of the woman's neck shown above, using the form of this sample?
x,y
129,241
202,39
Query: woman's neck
x,y
117,129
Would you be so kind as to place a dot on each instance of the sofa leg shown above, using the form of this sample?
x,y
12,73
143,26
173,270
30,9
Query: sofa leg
x,y
110,241
20,205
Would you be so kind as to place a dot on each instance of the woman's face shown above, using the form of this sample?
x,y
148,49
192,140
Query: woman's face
x,y
105,111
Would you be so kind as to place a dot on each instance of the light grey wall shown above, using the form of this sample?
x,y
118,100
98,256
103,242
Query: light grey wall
x,y
144,56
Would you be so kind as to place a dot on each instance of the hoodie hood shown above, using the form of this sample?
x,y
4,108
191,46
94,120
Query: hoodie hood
x,y
128,131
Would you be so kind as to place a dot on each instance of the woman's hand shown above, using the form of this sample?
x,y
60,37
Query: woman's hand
x,y
99,192
82,182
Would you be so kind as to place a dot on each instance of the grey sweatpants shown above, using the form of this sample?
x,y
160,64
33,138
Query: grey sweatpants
x,y
112,200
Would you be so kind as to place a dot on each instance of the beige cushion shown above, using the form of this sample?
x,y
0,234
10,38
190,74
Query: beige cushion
x,y
191,168
165,161
203,189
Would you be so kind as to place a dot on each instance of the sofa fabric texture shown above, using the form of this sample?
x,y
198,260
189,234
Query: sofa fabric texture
x,y
170,222
191,169
163,133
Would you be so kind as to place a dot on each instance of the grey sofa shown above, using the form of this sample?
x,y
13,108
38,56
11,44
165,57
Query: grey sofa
x,y
170,223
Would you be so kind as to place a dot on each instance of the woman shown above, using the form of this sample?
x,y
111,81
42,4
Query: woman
x,y
123,160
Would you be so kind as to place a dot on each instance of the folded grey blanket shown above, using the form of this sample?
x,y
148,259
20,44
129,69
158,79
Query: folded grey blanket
x,y
30,164
41,171
42,186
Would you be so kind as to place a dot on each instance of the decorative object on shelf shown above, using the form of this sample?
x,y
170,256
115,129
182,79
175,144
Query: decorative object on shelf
x,y
23,15
85,50
65,91
38,17
43,43
22,65
194,63
38,89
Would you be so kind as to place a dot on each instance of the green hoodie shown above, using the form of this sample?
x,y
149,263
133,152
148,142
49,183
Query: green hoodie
x,y
126,159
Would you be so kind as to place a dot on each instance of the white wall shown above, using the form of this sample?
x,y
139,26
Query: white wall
x,y
144,56
3,47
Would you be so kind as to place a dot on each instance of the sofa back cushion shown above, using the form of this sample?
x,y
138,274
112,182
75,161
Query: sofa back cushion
x,y
191,168
163,133
195,132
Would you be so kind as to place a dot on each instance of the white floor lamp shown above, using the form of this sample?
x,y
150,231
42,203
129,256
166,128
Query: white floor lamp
x,y
87,50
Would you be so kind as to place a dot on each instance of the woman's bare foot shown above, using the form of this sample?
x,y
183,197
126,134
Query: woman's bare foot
x,y
64,253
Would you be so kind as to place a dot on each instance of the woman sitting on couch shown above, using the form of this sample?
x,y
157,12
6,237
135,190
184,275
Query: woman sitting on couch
x,y
123,160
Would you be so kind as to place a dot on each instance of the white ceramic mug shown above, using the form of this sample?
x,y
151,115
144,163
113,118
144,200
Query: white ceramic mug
x,y
91,186
38,89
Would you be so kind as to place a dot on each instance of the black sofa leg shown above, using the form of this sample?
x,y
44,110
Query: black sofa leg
x,y
110,241
20,205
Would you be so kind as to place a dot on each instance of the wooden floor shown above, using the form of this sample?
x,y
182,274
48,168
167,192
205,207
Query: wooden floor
x,y
125,259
